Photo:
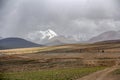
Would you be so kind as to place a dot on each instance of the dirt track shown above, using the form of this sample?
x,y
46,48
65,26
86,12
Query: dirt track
x,y
100,75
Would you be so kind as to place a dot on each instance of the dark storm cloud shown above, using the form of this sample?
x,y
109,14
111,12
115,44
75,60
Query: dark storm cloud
x,y
66,17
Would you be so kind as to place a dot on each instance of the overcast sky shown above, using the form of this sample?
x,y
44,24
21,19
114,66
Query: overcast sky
x,y
19,18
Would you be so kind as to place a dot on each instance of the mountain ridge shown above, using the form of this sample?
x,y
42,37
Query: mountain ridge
x,y
12,43
109,35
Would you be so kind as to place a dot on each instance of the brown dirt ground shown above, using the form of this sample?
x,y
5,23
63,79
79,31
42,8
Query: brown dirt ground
x,y
102,75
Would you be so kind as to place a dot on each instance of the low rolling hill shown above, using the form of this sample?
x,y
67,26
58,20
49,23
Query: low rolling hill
x,y
105,46
12,43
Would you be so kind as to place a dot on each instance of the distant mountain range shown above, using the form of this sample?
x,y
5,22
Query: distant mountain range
x,y
11,43
54,42
108,42
51,38
109,35
60,40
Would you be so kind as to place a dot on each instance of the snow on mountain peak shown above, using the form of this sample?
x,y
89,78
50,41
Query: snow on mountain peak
x,y
41,35
48,34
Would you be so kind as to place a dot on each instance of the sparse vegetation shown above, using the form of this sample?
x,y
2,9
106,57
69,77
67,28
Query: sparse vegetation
x,y
56,74
67,62
117,72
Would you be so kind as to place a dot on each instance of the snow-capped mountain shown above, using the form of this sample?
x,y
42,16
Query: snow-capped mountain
x,y
48,34
40,36
50,37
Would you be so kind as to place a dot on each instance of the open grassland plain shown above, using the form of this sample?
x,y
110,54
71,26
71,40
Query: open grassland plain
x,y
38,61
70,48
65,62
55,74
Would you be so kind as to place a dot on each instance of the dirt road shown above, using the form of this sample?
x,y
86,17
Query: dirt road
x,y
100,75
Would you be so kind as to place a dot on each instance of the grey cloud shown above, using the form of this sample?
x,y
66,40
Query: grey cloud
x,y
66,17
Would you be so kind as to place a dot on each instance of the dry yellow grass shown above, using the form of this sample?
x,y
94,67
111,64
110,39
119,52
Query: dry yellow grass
x,y
66,48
